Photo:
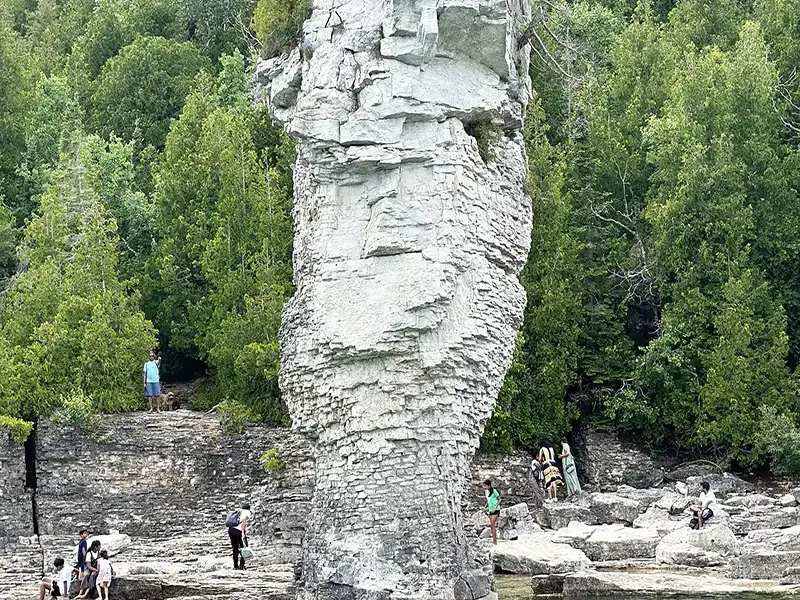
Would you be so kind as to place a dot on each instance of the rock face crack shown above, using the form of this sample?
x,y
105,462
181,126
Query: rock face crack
x,y
407,251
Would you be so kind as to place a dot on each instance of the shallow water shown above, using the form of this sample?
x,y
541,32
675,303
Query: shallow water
x,y
518,587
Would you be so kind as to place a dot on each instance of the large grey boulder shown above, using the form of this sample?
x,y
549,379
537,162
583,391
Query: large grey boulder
x,y
607,463
645,497
674,503
537,555
764,564
765,517
658,519
700,548
472,584
610,542
722,485
557,515
659,583
750,500
613,508
775,539
513,522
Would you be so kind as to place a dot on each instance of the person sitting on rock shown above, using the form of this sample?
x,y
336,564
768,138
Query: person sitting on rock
x,y
492,507
704,510
89,582
58,582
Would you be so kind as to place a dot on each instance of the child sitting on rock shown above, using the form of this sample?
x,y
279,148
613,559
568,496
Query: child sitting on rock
x,y
104,574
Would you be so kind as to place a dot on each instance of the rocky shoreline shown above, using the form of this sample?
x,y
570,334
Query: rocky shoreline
x,y
638,542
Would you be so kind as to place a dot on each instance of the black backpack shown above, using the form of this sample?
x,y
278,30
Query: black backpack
x,y
234,519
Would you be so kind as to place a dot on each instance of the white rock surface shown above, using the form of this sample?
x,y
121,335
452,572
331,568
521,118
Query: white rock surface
x,y
658,519
613,508
537,555
764,564
407,249
609,542
698,548
660,583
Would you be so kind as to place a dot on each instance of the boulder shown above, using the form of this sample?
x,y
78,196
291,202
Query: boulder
x,y
658,519
712,537
674,503
787,500
686,554
615,542
796,493
660,583
557,515
699,548
765,517
764,564
610,542
472,584
612,508
775,539
750,500
645,497
606,462
575,534
722,485
513,521
537,555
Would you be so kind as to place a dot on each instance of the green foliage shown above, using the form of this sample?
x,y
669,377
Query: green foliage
x,y
222,271
278,24
235,416
271,461
17,428
488,136
779,437
532,402
143,88
78,410
68,322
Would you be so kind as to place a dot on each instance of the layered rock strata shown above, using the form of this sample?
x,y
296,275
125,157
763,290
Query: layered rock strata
x,y
411,226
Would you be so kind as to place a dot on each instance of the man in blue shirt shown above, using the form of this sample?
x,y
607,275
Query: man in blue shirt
x,y
152,384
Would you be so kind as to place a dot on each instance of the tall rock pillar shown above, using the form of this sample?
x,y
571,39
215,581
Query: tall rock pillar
x,y
407,248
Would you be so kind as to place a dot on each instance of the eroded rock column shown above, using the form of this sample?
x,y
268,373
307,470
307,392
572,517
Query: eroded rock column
x,y
407,249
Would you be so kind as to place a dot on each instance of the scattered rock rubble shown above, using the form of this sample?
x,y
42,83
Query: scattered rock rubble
x,y
638,541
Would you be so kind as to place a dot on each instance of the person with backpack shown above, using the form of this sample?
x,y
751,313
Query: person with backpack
x,y
237,522
705,507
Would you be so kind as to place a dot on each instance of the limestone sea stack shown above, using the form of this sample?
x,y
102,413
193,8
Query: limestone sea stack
x,y
408,243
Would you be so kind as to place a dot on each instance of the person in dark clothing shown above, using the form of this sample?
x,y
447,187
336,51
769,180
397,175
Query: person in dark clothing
x,y
238,535
83,548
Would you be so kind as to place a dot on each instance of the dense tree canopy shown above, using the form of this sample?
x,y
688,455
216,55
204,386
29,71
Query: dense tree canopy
x,y
144,197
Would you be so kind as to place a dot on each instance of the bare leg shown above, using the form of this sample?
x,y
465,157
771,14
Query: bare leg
x,y
44,586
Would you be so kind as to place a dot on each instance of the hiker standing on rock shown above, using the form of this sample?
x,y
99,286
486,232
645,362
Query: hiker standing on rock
x,y
237,523
152,381
492,507
552,475
570,470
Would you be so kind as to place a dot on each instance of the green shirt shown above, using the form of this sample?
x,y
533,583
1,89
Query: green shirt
x,y
493,501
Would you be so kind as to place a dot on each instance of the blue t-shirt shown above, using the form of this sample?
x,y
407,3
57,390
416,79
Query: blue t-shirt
x,y
151,371
82,553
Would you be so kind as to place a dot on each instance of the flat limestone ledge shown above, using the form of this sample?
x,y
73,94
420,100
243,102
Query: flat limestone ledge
x,y
658,582
537,555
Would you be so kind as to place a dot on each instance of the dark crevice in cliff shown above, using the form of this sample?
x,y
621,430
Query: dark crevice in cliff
x,y
30,476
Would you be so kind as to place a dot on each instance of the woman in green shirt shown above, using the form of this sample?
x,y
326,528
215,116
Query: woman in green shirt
x,y
492,507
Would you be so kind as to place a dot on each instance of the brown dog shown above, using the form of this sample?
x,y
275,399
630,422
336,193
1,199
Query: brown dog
x,y
167,401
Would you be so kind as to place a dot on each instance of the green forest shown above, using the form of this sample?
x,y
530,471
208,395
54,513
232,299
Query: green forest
x,y
146,202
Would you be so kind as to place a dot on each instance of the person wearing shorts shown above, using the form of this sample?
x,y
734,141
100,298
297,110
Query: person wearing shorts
x,y
152,382
492,507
